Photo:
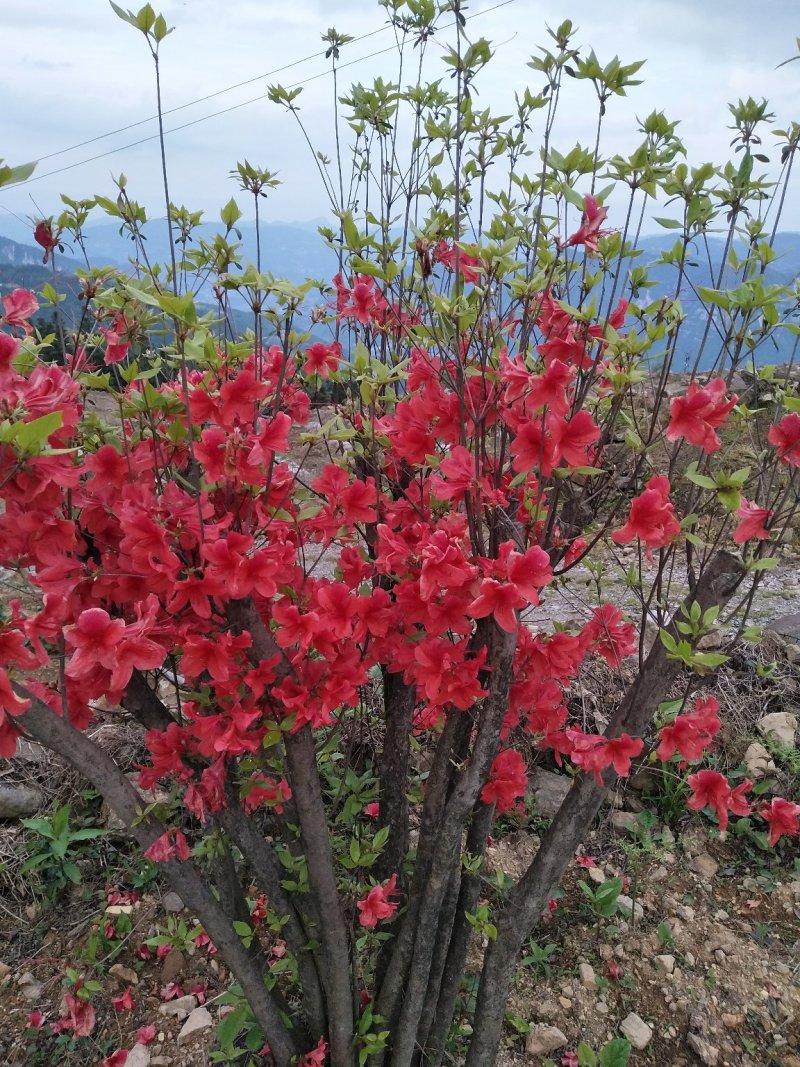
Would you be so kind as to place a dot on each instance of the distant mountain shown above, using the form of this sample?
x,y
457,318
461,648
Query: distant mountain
x,y
296,251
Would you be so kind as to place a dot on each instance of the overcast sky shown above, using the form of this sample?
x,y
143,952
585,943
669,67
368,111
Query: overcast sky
x,y
72,71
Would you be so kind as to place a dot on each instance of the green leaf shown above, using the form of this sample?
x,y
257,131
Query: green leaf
x,y
229,1026
586,1057
668,224
87,834
230,214
615,1053
12,175
768,563
72,872
33,435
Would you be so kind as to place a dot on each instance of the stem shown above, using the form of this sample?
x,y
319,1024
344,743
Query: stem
x,y
528,897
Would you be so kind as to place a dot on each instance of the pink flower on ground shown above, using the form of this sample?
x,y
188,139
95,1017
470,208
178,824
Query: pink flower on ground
x,y
146,1034
124,1002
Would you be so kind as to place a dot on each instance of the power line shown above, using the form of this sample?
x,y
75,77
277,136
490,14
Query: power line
x,y
202,99
223,111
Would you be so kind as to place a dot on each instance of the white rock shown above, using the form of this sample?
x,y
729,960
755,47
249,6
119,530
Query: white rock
x,y
544,1039
596,875
665,964
139,1056
780,726
199,1020
636,1030
180,1007
588,978
758,761
627,907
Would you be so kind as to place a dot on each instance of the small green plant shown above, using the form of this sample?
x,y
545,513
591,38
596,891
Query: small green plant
x,y
603,901
665,935
55,850
539,956
615,1053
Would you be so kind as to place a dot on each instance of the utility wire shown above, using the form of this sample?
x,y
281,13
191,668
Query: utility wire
x,y
202,99
223,111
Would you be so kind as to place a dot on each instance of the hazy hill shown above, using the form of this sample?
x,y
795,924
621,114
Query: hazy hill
x,y
296,251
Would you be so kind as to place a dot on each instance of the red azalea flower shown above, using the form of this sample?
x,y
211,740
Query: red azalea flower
x,y
697,415
79,1016
692,733
785,437
171,845
652,517
317,1056
508,779
589,230
783,817
751,523
376,905
712,789
19,306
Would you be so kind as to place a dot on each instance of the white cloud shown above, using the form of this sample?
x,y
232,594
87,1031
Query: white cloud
x,y
74,71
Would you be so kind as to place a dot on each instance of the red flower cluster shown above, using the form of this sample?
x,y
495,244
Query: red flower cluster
x,y
699,414
377,904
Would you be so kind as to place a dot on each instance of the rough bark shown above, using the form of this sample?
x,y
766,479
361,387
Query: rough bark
x,y
82,754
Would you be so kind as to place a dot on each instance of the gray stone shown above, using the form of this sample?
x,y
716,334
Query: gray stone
x,y
704,865
786,626
636,1030
180,1007
29,987
542,1040
198,1021
780,726
549,789
17,801
665,964
596,875
758,761
624,821
628,907
705,1051
139,1056
171,902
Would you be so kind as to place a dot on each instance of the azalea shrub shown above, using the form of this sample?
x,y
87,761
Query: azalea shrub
x,y
333,623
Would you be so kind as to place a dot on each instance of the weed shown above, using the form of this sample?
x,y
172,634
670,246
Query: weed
x,y
55,850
